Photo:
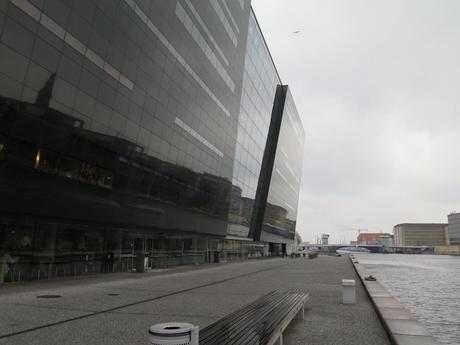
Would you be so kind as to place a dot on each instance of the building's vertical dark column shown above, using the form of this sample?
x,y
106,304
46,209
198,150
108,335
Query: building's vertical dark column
x,y
260,202
139,248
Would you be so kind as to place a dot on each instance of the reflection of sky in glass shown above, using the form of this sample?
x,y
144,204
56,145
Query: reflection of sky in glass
x,y
259,86
258,92
283,194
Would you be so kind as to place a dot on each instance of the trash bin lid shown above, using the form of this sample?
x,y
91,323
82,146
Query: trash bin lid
x,y
171,328
348,282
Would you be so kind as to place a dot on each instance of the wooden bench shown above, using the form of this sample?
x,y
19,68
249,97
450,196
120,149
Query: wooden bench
x,y
260,323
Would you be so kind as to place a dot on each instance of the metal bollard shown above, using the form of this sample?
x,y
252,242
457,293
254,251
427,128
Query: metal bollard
x,y
174,333
349,291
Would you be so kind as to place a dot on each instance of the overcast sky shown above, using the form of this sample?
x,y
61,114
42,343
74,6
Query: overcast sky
x,y
377,85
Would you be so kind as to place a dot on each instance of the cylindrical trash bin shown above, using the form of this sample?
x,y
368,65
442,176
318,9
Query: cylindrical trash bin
x,y
174,333
349,291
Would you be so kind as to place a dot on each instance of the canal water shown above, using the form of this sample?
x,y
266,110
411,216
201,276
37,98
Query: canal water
x,y
427,285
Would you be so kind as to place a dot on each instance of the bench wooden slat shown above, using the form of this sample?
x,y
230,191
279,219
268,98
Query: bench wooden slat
x,y
236,313
256,323
265,329
259,321
247,313
279,328
265,301
278,320
240,315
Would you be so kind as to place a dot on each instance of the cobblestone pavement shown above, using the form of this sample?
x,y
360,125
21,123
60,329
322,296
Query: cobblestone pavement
x,y
119,308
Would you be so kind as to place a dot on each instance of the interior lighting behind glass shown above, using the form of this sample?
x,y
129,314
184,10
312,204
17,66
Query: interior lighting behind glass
x,y
37,160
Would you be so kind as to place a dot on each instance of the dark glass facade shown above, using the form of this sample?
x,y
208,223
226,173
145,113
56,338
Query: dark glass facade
x,y
258,93
132,135
283,192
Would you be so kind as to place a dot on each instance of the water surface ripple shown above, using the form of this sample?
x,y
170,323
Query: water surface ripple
x,y
427,285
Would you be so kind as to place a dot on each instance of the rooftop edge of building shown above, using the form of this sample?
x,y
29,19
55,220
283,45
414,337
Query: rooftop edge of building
x,y
420,224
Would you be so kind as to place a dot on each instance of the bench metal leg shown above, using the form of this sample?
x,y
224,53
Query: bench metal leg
x,y
301,314
279,341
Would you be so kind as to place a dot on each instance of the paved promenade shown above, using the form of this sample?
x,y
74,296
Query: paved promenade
x,y
119,308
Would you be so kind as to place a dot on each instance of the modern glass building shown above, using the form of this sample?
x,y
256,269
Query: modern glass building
x,y
140,134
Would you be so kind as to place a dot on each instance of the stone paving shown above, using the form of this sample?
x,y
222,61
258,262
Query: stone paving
x,y
119,308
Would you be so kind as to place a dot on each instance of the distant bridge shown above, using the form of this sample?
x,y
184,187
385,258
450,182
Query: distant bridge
x,y
376,248
412,249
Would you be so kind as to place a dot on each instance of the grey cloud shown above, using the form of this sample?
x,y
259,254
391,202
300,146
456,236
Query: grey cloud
x,y
377,85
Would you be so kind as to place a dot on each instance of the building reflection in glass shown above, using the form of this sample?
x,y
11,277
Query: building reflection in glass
x,y
52,167
283,195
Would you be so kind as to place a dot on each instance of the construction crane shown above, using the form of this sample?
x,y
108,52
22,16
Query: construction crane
x,y
359,230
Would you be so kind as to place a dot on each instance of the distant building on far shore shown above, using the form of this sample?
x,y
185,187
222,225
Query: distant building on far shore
x,y
373,238
453,226
368,238
420,234
386,241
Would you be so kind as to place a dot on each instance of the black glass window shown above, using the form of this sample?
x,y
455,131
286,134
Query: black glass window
x,y
103,120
